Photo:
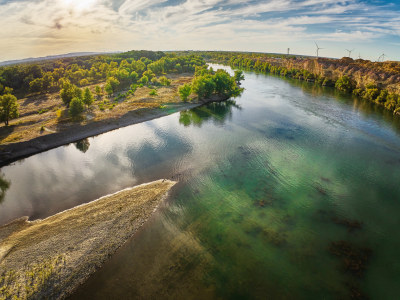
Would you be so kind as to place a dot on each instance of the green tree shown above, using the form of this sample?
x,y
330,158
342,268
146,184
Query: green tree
x,y
203,86
99,92
184,91
144,80
68,92
239,76
108,88
8,108
87,97
224,83
76,107
36,85
134,76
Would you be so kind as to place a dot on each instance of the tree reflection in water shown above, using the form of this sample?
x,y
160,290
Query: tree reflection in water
x,y
4,186
82,145
216,111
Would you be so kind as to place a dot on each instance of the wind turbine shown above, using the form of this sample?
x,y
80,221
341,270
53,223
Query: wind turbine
x,y
382,57
350,52
318,48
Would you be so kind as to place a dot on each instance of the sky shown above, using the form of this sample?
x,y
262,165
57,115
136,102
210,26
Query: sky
x,y
34,28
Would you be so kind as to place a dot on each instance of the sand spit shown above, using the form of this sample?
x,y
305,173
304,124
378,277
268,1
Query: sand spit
x,y
50,258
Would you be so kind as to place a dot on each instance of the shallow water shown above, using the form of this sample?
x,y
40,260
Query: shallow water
x,y
290,191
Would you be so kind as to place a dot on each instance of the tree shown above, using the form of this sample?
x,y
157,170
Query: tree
x,y
184,91
87,97
239,76
68,92
36,85
134,76
144,80
99,92
108,88
203,86
8,108
224,83
76,107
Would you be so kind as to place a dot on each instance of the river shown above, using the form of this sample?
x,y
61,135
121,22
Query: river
x,y
290,191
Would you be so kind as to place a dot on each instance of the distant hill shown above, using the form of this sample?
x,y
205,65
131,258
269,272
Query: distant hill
x,y
36,59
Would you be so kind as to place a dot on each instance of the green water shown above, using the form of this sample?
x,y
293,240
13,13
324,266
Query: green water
x,y
289,192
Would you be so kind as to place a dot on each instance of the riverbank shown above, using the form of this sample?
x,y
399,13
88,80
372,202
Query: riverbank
x,y
75,131
50,258
14,151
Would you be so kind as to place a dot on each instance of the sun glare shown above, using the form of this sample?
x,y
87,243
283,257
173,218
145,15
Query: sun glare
x,y
79,5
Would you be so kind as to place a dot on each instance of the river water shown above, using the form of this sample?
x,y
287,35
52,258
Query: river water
x,y
290,191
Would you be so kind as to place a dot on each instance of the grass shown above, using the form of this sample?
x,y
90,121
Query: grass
x,y
30,280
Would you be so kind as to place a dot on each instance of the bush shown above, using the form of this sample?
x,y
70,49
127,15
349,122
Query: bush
x,y
153,92
165,81
344,84
144,80
154,81
83,82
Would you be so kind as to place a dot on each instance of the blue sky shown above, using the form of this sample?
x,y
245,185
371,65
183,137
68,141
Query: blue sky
x,y
46,27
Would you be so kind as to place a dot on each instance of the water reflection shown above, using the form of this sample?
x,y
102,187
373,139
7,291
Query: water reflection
x,y
83,145
4,186
218,112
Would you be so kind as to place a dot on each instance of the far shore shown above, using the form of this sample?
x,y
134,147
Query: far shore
x,y
15,151
50,258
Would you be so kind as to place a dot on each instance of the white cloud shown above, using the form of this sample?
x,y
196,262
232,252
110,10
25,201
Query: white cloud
x,y
42,27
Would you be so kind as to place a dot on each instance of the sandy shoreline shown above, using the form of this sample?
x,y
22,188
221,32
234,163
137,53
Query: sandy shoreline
x,y
15,151
50,258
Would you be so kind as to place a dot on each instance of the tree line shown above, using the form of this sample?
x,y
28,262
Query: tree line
x,y
371,92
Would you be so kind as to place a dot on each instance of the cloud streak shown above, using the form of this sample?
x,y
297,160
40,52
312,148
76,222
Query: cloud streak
x,y
43,27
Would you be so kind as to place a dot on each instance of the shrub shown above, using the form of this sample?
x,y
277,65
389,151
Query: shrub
x,y
344,84
83,82
165,81
153,92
